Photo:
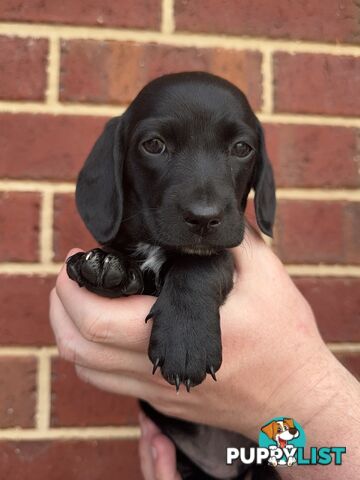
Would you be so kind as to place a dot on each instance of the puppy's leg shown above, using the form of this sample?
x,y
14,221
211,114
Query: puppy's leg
x,y
185,339
107,274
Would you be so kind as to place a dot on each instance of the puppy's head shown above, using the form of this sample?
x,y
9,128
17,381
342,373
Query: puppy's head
x,y
176,168
281,431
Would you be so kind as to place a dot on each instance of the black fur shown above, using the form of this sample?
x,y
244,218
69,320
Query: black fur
x,y
185,204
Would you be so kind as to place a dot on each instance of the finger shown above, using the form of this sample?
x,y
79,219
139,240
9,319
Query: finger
x,y
252,254
165,458
75,348
118,321
148,430
122,384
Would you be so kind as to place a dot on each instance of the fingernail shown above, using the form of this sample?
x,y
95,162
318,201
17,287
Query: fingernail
x,y
153,452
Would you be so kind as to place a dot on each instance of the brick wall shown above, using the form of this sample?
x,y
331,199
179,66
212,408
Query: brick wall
x,y
65,67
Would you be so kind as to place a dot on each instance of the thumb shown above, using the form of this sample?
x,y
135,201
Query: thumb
x,y
245,254
164,455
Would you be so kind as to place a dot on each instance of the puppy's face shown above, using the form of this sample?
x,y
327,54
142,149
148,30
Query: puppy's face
x,y
190,150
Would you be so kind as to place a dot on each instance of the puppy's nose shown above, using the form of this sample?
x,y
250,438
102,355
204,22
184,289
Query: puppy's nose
x,y
203,218
293,431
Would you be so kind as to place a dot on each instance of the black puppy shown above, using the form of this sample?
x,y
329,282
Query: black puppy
x,y
164,192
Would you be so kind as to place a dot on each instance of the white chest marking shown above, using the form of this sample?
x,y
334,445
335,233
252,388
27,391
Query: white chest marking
x,y
154,257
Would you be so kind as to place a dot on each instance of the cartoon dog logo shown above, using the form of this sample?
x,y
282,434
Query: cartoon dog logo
x,y
281,432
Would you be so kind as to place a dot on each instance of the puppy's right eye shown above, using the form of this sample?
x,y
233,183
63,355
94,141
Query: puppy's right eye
x,y
154,146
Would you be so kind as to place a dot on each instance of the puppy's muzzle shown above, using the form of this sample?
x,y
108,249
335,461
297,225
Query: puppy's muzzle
x,y
203,219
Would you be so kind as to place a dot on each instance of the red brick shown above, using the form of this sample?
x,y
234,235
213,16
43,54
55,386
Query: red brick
x,y
351,361
127,13
317,231
17,392
336,304
71,459
114,72
19,226
317,84
330,21
56,152
24,313
314,156
22,68
69,229
78,404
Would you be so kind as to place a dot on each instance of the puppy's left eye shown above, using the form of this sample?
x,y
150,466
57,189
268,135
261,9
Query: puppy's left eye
x,y
241,149
154,146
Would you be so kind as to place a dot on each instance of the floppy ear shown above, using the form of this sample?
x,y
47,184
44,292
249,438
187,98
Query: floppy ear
x,y
269,429
99,191
264,185
289,422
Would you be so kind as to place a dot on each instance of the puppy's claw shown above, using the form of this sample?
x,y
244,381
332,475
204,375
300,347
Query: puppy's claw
x,y
187,384
156,364
177,382
212,373
149,316
89,255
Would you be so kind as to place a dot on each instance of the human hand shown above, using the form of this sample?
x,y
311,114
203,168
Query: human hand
x,y
273,354
157,452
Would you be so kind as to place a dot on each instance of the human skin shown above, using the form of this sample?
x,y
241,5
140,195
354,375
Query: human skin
x,y
274,360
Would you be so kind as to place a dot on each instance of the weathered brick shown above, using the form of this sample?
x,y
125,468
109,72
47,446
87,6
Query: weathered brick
x,y
114,72
127,13
317,84
19,226
22,68
314,156
57,151
351,361
24,313
78,404
17,392
330,21
317,231
69,229
336,304
70,459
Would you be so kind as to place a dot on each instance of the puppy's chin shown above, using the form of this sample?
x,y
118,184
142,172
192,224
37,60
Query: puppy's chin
x,y
198,250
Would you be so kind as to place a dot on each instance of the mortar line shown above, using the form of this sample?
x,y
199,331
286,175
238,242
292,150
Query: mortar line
x,y
51,188
310,119
318,194
46,227
45,186
25,351
344,347
310,270
53,71
41,269
43,405
267,82
81,433
167,17
333,271
41,30
113,110
61,108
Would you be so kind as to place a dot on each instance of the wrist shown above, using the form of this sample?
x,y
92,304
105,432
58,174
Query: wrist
x,y
302,391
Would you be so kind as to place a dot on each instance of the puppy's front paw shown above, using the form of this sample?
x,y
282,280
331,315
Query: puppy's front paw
x,y
105,273
185,342
291,461
272,461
